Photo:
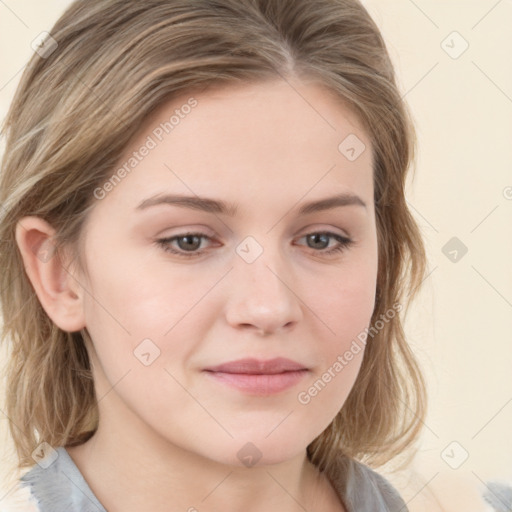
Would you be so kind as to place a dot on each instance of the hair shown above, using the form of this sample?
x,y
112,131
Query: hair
x,y
78,107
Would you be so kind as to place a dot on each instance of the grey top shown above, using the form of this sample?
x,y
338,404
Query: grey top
x,y
61,487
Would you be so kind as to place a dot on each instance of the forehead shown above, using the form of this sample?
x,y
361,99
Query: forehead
x,y
272,139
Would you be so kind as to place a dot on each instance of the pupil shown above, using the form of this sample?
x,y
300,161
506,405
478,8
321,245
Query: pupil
x,y
316,236
189,243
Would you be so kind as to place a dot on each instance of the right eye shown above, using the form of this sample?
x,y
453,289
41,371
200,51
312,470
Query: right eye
x,y
192,240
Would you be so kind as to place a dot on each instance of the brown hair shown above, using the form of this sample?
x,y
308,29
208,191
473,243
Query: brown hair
x,y
79,105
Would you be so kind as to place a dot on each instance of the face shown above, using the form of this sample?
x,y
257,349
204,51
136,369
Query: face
x,y
177,286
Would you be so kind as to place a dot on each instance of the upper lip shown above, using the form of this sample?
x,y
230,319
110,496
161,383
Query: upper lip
x,y
258,366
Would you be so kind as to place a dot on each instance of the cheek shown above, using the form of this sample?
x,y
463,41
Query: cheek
x,y
127,296
346,302
142,325
136,358
344,308
346,311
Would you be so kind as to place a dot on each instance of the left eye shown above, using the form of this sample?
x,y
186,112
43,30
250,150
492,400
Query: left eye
x,y
190,243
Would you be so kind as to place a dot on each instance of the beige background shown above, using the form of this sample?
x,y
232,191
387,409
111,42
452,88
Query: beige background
x,y
461,326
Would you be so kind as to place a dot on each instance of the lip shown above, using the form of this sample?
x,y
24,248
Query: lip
x,y
258,377
258,367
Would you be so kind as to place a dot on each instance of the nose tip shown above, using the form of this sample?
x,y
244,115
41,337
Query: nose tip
x,y
262,300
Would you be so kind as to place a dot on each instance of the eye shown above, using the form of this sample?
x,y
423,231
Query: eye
x,y
321,237
189,243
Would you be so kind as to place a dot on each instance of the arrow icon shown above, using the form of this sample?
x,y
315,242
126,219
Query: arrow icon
x,y
146,352
40,455
351,147
44,455
249,249
454,249
249,454
454,253
454,45
454,455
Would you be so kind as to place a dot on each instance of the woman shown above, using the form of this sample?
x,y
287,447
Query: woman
x,y
179,338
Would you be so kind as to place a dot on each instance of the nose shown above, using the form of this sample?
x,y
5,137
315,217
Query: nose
x,y
262,297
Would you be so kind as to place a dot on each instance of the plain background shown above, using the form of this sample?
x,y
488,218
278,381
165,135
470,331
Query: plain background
x,y
461,325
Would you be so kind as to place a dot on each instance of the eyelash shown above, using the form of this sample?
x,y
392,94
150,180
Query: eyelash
x,y
345,243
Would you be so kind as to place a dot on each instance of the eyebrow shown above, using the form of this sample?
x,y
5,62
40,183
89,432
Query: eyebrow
x,y
221,207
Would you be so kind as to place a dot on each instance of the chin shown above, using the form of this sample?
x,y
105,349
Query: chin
x,y
266,452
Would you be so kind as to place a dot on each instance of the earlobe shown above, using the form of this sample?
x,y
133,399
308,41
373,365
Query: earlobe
x,y
57,289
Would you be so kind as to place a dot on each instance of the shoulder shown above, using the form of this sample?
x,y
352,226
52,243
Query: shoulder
x,y
362,488
14,497
382,492
53,485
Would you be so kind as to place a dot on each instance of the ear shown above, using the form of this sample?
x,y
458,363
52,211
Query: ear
x,y
58,290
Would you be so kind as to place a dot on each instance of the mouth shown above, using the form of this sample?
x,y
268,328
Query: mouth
x,y
258,367
258,377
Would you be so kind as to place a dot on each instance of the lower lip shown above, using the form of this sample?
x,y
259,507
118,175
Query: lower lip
x,y
265,384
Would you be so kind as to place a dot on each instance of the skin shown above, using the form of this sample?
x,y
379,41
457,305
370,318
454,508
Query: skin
x,y
168,434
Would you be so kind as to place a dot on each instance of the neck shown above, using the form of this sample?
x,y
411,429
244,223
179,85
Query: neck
x,y
127,475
